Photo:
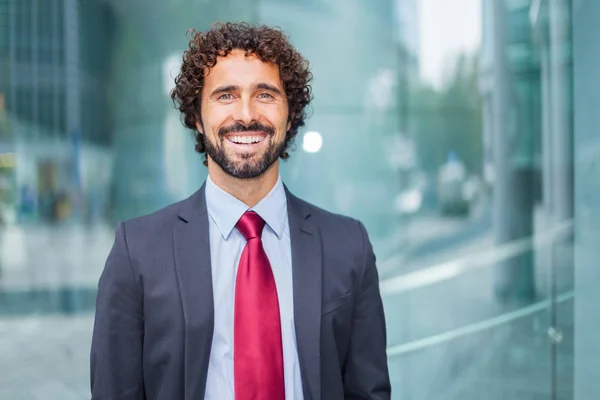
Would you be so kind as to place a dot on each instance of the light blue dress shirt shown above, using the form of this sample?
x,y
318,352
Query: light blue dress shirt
x,y
226,245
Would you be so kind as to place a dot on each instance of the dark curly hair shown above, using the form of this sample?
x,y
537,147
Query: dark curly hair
x,y
268,44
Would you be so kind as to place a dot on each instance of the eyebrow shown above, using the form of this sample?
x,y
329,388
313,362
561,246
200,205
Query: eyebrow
x,y
224,89
269,87
235,88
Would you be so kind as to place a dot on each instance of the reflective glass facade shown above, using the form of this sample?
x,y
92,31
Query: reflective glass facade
x,y
448,129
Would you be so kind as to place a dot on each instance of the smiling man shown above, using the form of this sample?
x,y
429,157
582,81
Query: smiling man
x,y
242,291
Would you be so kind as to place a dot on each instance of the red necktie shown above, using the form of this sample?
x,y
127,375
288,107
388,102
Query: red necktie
x,y
258,353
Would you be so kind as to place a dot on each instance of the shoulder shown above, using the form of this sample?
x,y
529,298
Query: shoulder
x,y
335,227
156,221
148,232
345,245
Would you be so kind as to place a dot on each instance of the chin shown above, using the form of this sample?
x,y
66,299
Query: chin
x,y
248,169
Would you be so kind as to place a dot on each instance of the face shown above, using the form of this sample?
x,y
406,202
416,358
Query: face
x,y
244,115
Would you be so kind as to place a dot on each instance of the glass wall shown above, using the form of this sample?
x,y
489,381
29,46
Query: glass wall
x,y
586,90
446,127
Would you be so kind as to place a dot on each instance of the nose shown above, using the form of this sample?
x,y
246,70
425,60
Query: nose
x,y
245,112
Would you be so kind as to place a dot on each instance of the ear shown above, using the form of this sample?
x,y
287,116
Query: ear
x,y
289,124
199,127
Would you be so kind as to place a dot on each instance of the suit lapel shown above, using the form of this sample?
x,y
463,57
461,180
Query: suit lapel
x,y
306,272
193,268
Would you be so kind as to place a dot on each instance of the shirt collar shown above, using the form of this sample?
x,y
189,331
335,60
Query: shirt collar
x,y
225,210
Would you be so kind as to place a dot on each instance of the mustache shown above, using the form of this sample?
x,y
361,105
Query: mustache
x,y
253,127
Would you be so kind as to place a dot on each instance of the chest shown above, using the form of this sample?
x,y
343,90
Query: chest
x,y
225,255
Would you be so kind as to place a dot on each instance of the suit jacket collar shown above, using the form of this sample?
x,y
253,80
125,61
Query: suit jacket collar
x,y
194,277
194,206
307,258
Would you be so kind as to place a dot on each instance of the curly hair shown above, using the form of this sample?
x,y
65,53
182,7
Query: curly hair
x,y
268,44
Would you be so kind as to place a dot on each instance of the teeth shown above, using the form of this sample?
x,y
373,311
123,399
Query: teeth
x,y
245,139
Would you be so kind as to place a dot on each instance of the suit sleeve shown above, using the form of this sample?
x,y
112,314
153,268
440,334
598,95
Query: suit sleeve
x,y
366,372
117,340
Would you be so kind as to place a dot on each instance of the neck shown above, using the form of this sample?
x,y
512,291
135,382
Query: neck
x,y
248,191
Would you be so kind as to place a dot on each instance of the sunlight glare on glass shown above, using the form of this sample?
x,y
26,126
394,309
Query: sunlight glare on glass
x,y
312,142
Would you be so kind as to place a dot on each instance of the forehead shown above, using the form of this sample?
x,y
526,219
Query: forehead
x,y
241,70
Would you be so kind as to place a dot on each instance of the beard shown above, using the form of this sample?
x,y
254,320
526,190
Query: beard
x,y
247,168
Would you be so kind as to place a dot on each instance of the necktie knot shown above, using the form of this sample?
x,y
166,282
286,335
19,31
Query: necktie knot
x,y
250,225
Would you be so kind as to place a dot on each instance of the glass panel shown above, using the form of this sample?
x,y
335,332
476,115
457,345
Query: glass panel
x,y
506,360
586,15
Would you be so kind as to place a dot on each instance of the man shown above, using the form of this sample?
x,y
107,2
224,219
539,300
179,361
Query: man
x,y
242,291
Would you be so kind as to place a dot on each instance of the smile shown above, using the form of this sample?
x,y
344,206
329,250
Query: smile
x,y
246,139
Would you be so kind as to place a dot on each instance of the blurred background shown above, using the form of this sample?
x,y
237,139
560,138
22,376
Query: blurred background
x,y
447,127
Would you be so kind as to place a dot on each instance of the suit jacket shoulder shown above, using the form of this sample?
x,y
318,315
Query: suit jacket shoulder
x,y
149,235
342,227
153,223
342,236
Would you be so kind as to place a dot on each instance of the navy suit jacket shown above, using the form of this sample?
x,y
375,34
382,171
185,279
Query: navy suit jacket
x,y
154,310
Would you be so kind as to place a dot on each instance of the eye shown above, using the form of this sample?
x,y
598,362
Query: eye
x,y
265,95
225,96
